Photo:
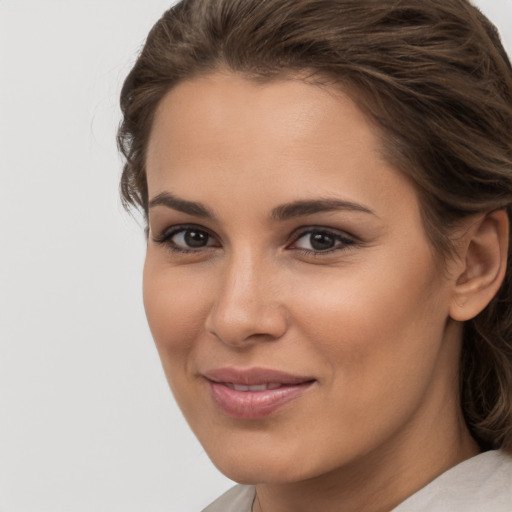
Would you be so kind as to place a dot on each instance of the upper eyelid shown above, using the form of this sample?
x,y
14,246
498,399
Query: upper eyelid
x,y
296,234
301,229
344,241
173,230
165,239
304,230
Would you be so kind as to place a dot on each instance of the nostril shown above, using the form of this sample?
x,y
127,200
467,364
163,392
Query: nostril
x,y
255,325
246,308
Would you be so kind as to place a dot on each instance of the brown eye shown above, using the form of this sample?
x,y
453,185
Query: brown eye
x,y
195,238
322,240
189,239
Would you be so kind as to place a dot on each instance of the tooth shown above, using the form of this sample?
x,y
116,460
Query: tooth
x,y
273,385
256,387
261,387
240,387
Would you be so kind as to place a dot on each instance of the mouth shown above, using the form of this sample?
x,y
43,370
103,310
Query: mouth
x,y
254,393
256,387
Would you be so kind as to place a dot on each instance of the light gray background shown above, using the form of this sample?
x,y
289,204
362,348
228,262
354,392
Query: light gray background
x,y
86,420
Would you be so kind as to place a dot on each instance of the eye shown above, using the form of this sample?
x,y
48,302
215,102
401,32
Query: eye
x,y
321,240
187,239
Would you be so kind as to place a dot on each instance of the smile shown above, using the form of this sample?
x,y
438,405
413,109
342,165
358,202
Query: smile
x,y
254,393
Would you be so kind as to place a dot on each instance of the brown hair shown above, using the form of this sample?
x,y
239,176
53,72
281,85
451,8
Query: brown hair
x,y
431,74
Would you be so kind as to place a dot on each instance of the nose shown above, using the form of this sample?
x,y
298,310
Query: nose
x,y
247,308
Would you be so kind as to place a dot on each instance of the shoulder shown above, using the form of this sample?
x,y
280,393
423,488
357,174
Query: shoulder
x,y
237,499
482,483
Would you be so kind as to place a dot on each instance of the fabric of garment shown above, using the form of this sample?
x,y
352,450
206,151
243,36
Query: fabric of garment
x,y
480,484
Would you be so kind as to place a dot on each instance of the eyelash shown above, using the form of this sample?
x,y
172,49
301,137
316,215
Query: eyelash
x,y
342,240
167,235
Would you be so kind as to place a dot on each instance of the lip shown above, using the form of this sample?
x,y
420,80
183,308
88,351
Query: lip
x,y
259,403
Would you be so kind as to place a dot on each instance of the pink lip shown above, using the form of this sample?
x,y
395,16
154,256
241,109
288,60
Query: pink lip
x,y
254,404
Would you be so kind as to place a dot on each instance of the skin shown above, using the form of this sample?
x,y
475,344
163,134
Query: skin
x,y
369,320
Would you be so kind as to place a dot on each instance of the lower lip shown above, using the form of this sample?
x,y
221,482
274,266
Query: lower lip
x,y
251,405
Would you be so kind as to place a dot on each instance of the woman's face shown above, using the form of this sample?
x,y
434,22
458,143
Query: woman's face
x,y
298,309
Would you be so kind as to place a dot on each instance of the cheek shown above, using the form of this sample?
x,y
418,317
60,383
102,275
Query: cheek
x,y
375,320
175,304
379,332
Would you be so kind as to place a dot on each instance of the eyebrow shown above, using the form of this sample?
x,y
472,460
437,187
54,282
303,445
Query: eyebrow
x,y
308,207
181,205
283,212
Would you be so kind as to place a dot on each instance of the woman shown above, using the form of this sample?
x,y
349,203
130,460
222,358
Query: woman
x,y
327,186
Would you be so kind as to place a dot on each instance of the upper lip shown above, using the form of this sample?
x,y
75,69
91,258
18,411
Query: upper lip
x,y
254,376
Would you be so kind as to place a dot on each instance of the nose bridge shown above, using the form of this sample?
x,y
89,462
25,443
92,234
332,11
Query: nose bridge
x,y
246,306
241,278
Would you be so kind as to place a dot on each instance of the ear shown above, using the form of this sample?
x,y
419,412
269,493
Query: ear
x,y
483,260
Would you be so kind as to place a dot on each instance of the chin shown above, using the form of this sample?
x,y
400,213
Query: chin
x,y
247,473
252,465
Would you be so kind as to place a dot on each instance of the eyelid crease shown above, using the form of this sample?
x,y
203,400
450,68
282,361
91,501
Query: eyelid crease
x,y
304,230
171,231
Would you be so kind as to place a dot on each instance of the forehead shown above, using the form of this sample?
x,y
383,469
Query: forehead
x,y
223,129
219,112
228,105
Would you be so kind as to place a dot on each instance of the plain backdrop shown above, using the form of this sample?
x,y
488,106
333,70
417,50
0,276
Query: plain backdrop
x,y
87,423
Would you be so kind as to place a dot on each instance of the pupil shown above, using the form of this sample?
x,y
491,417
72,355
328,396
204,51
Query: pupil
x,y
322,241
196,238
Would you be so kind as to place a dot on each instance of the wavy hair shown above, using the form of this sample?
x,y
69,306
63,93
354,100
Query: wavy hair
x,y
433,77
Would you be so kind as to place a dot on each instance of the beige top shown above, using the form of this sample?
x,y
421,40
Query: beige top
x,y
480,484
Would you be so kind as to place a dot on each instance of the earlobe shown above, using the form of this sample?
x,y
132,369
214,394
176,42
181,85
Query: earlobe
x,y
483,259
